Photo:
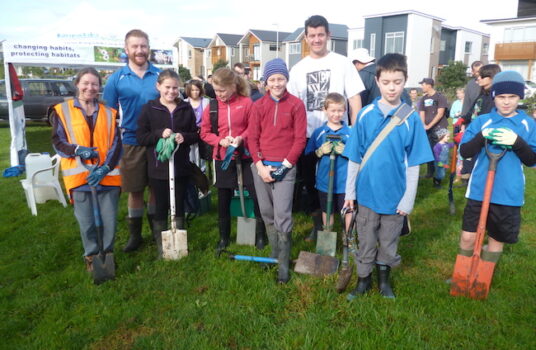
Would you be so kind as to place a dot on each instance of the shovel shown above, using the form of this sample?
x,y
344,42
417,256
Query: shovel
x,y
451,179
103,263
174,242
326,243
348,239
472,276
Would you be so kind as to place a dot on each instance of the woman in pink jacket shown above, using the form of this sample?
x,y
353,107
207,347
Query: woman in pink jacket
x,y
229,140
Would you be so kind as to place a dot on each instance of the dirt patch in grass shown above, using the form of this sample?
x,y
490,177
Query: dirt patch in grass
x,y
122,338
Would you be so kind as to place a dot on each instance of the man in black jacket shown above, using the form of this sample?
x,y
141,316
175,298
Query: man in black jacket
x,y
364,63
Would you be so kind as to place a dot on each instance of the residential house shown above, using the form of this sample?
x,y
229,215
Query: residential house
x,y
513,43
463,44
297,48
424,39
223,47
355,38
192,53
259,46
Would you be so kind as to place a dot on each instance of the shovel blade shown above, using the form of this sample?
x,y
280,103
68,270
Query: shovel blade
x,y
472,277
174,244
326,243
103,268
316,264
479,286
459,285
344,278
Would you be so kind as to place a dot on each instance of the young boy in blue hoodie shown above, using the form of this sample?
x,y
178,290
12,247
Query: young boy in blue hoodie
x,y
505,126
386,186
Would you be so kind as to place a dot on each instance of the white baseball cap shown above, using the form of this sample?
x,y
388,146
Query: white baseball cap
x,y
361,55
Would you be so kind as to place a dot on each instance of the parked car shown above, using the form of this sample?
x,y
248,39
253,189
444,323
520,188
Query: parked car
x,y
530,88
40,96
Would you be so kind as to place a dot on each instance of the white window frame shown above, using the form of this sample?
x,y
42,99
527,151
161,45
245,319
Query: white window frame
x,y
392,40
357,44
372,45
294,48
468,52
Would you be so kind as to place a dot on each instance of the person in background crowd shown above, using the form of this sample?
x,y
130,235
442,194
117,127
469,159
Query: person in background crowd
x,y
127,90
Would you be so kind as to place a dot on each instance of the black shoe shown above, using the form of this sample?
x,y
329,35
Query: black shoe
x,y
364,284
135,240
383,281
260,234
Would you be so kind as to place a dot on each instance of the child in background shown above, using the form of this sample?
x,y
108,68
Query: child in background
x,y
276,140
441,155
322,142
456,107
387,184
507,127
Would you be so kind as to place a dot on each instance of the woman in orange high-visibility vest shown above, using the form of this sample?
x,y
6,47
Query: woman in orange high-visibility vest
x,y
85,131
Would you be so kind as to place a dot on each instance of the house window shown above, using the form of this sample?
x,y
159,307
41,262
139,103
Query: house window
x,y
443,45
394,42
295,48
273,47
357,44
218,52
519,34
232,51
485,48
468,47
189,54
373,44
257,53
332,46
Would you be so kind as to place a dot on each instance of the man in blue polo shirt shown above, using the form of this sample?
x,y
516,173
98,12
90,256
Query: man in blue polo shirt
x,y
127,90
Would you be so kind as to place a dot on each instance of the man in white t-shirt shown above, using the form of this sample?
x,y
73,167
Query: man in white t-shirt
x,y
311,80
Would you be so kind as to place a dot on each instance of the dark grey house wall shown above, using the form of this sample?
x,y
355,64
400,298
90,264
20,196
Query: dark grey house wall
x,y
382,25
449,37
340,46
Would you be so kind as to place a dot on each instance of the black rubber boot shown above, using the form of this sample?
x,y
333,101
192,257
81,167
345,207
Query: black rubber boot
x,y
317,226
135,240
364,284
158,227
283,258
260,234
179,222
274,241
225,234
383,281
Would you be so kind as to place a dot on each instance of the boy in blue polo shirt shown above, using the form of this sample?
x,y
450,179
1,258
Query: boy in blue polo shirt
x,y
387,184
332,135
506,127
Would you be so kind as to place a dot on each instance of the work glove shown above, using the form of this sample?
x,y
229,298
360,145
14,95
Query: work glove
x,y
167,146
279,173
324,149
86,152
97,174
338,147
487,133
228,157
504,137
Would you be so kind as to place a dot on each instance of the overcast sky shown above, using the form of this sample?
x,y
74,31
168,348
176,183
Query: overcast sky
x,y
166,20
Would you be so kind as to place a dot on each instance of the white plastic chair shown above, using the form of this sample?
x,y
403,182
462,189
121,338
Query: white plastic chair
x,y
41,183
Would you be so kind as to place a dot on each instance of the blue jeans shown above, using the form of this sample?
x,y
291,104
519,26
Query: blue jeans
x,y
439,172
83,211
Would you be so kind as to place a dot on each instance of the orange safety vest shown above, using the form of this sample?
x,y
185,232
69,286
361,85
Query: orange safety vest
x,y
78,133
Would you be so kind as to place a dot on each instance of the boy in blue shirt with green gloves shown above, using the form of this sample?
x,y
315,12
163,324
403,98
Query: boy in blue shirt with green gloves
x,y
506,127
385,187
330,136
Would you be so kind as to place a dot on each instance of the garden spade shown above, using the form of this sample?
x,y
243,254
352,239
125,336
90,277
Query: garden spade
x,y
348,239
326,243
472,276
174,241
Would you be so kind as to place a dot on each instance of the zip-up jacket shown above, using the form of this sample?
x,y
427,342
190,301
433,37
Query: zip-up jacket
x,y
152,122
233,119
277,129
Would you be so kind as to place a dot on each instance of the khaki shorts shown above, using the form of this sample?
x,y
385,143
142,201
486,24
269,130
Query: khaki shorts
x,y
133,168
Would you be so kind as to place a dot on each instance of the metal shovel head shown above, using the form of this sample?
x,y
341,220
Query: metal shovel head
x,y
174,244
326,243
471,277
103,268
344,279
316,264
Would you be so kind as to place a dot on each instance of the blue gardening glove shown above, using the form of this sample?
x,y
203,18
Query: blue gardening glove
x,y
504,137
97,174
279,173
86,152
228,157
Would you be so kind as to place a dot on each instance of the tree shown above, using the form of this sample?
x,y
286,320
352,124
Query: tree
x,y
219,64
184,73
453,76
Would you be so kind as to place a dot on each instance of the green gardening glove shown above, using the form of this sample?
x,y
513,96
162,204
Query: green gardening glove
x,y
487,133
504,137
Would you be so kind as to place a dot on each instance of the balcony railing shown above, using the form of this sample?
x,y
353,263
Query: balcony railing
x,y
515,51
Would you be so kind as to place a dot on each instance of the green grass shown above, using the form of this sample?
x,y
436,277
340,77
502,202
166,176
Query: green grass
x,y
48,301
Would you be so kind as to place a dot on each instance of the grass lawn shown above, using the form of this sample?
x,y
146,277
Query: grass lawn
x,y
48,301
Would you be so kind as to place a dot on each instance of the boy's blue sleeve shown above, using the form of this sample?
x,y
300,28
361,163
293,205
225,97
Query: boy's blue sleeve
x,y
418,148
353,147
311,144
109,95
472,130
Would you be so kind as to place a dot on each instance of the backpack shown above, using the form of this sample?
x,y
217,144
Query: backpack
x,y
205,150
